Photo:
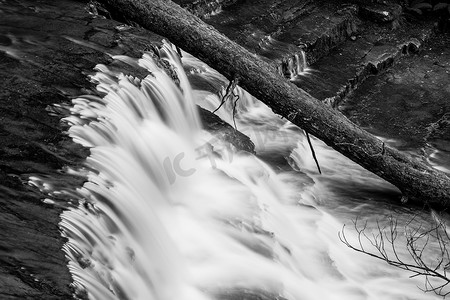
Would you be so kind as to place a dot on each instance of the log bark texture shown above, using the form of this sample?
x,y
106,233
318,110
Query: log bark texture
x,y
416,180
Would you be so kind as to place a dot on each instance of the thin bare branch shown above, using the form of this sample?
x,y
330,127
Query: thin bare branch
x,y
418,242
228,93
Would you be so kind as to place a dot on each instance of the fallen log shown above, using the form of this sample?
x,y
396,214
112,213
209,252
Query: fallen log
x,y
416,180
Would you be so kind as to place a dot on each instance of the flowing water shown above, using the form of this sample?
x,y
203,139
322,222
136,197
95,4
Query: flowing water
x,y
168,211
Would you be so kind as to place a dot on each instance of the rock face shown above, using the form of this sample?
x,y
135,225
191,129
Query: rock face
x,y
409,101
38,67
47,48
373,51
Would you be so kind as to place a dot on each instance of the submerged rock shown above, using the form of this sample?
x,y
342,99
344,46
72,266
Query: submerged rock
x,y
224,131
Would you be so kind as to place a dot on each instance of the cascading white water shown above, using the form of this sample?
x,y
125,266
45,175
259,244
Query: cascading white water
x,y
165,215
294,63
297,65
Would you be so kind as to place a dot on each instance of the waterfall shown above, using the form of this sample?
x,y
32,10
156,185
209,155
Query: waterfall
x,y
167,211
295,65
291,58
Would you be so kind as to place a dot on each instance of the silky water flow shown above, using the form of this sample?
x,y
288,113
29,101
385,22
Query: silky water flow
x,y
169,211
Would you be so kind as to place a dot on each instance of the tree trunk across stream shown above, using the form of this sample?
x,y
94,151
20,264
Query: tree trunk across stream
x,y
417,181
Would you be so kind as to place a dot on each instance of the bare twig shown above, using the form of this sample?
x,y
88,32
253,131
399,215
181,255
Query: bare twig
x,y
234,110
418,241
228,93
312,151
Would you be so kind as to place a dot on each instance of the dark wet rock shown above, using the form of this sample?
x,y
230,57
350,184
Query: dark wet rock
x,y
321,31
280,30
408,102
31,265
258,25
38,63
374,50
223,131
381,12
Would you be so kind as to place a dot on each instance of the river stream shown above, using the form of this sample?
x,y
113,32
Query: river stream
x,y
169,211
